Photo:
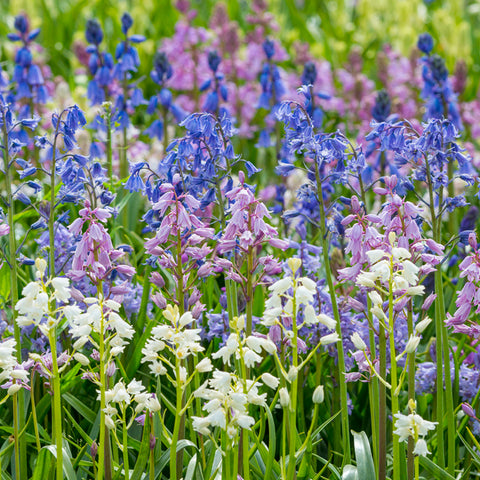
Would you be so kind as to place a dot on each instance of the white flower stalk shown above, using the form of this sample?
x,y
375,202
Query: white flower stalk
x,y
174,339
13,376
299,291
248,349
414,426
43,305
121,397
227,399
386,269
8,360
101,318
39,305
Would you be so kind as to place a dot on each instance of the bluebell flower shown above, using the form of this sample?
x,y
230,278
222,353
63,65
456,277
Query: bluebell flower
x,y
437,92
163,100
93,32
100,64
269,48
425,43
27,76
215,87
381,108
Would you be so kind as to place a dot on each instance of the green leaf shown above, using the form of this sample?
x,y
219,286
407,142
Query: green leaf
x,y
438,473
143,455
83,410
363,455
46,463
350,473
271,444
191,468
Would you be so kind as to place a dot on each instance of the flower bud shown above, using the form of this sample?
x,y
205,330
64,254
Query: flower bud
x,y
14,388
81,359
358,342
318,395
269,380
468,410
292,374
331,338
294,264
204,365
412,344
422,325
94,449
284,397
41,266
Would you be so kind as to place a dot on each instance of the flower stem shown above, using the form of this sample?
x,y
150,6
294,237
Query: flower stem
x,y
126,467
393,378
101,446
411,392
34,413
20,444
382,405
152,451
438,328
336,316
294,390
174,475
15,435
108,121
57,403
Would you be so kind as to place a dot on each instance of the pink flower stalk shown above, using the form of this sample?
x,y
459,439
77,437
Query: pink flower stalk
x,y
469,296
4,228
94,255
180,245
371,232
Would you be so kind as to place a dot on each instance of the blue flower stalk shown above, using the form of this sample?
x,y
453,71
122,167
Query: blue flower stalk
x,y
440,102
28,76
128,62
100,65
271,96
217,87
163,101
323,149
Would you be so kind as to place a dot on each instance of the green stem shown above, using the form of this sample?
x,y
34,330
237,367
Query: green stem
x,y
51,215
34,414
448,381
393,378
57,403
108,120
336,315
438,329
411,393
15,435
126,467
382,405
174,475
294,390
101,446
180,434
373,392
249,299
152,451
20,444
142,312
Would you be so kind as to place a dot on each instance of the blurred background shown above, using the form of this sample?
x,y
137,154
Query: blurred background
x,y
332,28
